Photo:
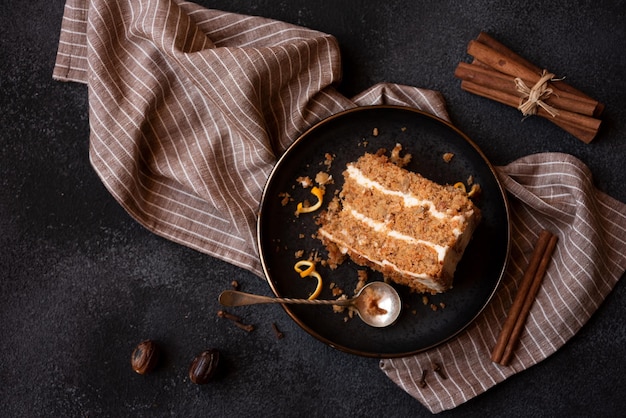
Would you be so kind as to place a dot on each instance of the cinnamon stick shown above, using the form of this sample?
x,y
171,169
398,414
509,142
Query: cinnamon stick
x,y
582,127
493,43
528,302
524,298
500,62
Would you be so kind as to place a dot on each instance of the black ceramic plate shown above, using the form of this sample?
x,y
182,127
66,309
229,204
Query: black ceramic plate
x,y
346,136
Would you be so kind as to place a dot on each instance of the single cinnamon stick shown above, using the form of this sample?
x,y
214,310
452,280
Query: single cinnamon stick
x,y
520,297
584,134
493,43
499,81
528,302
582,127
486,39
500,62
486,77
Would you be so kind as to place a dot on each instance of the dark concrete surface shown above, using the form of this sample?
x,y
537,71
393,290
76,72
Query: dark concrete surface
x,y
81,283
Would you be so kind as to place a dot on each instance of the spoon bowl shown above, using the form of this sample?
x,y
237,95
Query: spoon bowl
x,y
377,304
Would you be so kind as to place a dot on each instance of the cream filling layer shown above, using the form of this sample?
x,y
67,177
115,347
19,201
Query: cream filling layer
x,y
421,278
409,199
441,250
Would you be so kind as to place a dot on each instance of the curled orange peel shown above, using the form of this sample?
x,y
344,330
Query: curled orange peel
x,y
309,271
318,289
461,186
474,190
317,192
310,267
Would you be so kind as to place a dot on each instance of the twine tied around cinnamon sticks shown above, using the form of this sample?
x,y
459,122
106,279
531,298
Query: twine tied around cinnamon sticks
x,y
493,74
534,96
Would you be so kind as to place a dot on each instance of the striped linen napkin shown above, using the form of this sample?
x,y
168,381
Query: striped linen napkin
x,y
190,108
552,191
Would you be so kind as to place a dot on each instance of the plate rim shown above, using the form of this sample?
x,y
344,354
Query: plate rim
x,y
303,137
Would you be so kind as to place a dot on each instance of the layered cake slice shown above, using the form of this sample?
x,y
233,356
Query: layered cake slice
x,y
395,221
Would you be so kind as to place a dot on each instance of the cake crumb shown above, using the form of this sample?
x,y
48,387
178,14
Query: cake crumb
x,y
371,302
328,159
322,178
433,306
337,291
448,156
285,198
425,300
375,132
305,181
340,309
362,279
396,159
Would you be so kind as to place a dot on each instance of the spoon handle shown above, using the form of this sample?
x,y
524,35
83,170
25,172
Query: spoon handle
x,y
237,298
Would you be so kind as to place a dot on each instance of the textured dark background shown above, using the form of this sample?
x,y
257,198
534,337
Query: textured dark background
x,y
81,283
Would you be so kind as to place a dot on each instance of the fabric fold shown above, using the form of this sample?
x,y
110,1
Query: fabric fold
x,y
189,109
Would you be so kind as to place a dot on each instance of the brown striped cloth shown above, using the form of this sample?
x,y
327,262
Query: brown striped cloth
x,y
550,191
190,108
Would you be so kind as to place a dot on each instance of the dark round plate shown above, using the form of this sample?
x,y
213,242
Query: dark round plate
x,y
347,136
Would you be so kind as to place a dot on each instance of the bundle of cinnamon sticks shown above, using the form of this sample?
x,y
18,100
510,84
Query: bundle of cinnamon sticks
x,y
500,74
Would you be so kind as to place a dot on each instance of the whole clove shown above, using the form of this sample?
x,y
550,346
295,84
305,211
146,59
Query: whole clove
x,y
245,327
439,370
224,314
235,320
277,332
422,381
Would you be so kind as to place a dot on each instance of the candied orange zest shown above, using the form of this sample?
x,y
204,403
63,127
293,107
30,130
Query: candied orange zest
x,y
460,186
474,190
309,271
310,267
317,192
318,289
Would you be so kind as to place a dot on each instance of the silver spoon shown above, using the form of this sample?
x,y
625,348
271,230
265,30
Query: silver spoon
x,y
377,303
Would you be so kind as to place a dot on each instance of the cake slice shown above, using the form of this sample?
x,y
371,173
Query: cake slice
x,y
395,221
